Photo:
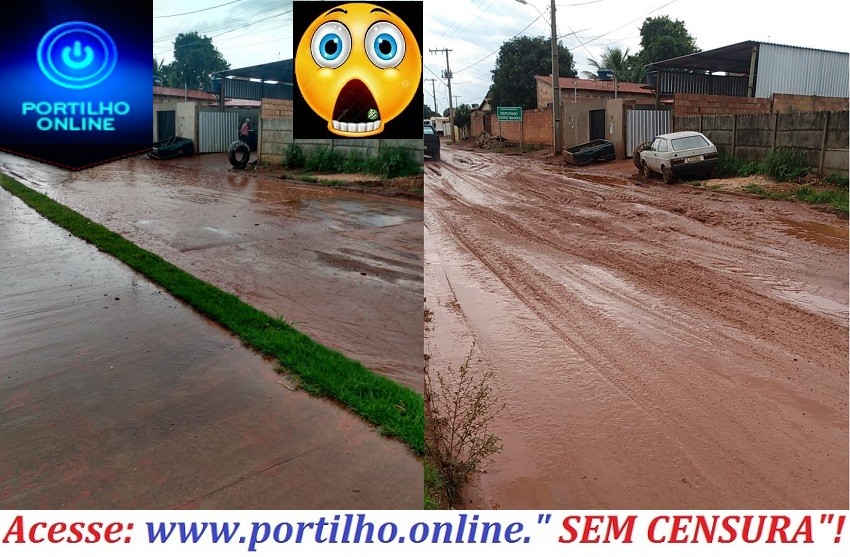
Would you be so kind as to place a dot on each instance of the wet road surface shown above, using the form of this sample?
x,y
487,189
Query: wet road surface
x,y
115,395
657,346
344,268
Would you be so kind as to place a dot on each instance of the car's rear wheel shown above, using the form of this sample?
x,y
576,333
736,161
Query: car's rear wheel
x,y
644,169
667,175
636,154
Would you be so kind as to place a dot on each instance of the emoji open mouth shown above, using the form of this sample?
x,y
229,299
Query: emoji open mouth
x,y
356,110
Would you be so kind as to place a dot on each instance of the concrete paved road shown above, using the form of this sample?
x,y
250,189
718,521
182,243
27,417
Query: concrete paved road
x,y
115,395
344,268
657,346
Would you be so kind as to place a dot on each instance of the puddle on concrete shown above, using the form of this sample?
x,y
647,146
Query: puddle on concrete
x,y
821,234
340,214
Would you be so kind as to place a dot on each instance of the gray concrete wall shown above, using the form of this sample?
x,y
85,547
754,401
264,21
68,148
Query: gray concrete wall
x,y
821,137
575,123
186,119
276,134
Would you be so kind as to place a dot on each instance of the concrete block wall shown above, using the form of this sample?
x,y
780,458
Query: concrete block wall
x,y
536,127
821,137
276,108
687,105
276,134
809,103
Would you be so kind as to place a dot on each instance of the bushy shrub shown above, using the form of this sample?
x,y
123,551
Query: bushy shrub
x,y
393,161
838,179
355,162
293,156
324,160
785,165
728,166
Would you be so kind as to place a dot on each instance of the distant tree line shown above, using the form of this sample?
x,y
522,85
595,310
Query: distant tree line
x,y
195,58
521,58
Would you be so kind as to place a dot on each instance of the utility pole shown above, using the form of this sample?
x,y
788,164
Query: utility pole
x,y
433,93
556,86
448,76
556,79
456,97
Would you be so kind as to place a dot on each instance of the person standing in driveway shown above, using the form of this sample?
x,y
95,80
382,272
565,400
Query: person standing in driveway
x,y
243,131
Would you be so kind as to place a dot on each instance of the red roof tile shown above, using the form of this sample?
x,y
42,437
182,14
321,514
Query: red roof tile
x,y
192,94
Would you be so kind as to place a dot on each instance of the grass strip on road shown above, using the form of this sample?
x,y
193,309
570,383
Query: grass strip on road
x,y
396,410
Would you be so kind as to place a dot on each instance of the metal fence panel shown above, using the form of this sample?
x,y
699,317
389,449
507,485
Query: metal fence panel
x,y
644,125
216,131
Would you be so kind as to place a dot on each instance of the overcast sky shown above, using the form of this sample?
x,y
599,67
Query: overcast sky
x,y
250,32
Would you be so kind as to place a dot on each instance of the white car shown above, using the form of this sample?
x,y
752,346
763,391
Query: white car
x,y
678,154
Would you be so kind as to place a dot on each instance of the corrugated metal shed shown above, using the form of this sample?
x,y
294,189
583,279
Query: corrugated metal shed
x,y
701,84
801,71
780,69
253,90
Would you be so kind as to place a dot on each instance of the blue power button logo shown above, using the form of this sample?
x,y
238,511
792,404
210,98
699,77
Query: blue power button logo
x,y
77,55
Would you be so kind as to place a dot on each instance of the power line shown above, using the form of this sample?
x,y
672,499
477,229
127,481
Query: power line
x,y
497,50
196,11
229,23
263,19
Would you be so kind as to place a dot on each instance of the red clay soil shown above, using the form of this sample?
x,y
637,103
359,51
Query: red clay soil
x,y
657,346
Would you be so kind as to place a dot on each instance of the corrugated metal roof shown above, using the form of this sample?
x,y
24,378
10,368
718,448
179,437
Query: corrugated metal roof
x,y
801,71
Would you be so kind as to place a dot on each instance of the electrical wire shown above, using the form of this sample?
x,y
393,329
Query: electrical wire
x,y
196,11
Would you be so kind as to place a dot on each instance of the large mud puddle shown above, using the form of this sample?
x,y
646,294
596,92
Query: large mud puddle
x,y
345,268
115,395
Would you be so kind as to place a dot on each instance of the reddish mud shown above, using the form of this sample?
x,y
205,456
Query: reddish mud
x,y
656,346
115,395
345,268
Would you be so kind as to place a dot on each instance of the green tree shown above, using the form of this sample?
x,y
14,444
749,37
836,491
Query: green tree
x,y
158,68
625,67
195,58
462,115
520,59
662,38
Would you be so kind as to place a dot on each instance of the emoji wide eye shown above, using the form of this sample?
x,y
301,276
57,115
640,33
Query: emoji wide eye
x,y
384,45
331,44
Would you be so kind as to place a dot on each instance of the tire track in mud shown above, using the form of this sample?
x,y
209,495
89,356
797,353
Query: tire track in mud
x,y
640,205
688,304
639,270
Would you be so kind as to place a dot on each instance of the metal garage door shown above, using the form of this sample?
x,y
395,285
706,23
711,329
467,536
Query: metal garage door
x,y
216,131
644,125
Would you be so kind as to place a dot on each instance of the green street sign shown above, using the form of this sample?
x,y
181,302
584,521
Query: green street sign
x,y
509,113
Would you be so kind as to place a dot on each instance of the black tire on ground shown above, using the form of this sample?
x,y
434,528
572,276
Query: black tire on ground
x,y
667,175
238,155
644,169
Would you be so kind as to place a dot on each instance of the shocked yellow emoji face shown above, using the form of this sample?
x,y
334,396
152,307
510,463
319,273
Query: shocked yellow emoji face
x,y
358,66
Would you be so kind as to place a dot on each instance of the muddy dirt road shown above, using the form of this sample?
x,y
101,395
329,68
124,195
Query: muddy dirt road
x,y
657,346
344,268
